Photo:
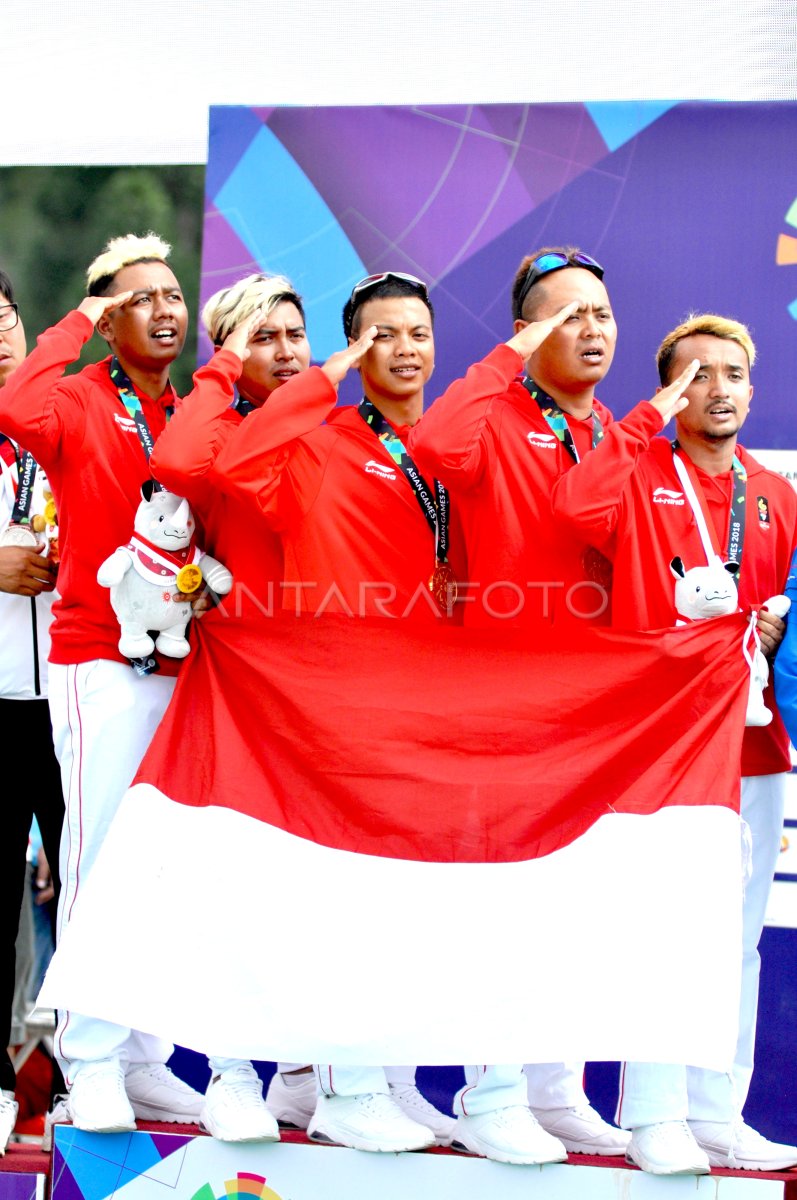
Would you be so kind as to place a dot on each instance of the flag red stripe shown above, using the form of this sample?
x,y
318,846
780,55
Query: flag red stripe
x,y
450,745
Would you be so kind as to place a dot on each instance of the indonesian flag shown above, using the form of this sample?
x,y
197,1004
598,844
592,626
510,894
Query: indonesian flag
x,y
366,842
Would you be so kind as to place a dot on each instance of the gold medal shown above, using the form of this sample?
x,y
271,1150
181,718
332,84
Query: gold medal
x,y
443,586
188,579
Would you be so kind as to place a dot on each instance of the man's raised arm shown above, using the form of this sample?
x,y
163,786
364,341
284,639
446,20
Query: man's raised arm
x,y
38,407
452,440
589,497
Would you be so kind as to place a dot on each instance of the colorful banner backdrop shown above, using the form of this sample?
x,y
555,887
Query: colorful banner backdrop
x,y
689,207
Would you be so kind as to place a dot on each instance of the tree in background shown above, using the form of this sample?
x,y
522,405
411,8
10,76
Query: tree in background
x,y
55,220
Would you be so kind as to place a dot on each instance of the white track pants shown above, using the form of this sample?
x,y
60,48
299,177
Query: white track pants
x,y
652,1092
104,717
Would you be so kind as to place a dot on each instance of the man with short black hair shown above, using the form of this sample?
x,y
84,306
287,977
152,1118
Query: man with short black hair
x,y
500,438
365,533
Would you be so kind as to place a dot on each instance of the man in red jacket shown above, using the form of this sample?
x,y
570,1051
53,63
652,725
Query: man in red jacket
x,y
93,433
502,436
365,533
645,500
499,439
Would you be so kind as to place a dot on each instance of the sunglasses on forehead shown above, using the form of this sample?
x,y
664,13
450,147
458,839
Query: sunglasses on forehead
x,y
373,281
361,291
546,264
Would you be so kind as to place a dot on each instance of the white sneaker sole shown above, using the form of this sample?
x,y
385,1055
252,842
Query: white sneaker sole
x,y
650,1168
506,1156
97,1127
287,1121
774,1164
221,1134
596,1151
356,1141
147,1111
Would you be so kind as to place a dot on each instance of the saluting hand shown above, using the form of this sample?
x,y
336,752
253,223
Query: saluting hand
x,y
531,336
671,400
338,365
238,340
95,307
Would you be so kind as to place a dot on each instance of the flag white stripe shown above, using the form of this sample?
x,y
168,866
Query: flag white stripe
x,y
228,936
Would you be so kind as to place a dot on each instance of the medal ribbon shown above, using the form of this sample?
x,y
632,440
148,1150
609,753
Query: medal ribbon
x,y
436,509
26,473
132,405
244,407
684,470
557,421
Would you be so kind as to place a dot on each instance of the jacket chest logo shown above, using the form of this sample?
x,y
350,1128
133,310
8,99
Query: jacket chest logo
x,y
663,495
381,470
542,441
125,423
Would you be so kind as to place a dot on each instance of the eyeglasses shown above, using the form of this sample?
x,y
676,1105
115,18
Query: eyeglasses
x,y
9,316
547,263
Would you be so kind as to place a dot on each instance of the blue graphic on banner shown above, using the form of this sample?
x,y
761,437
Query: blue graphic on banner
x,y
618,123
285,223
91,1166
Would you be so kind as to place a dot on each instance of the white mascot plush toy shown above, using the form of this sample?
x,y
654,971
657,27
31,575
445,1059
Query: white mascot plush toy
x,y
703,592
160,560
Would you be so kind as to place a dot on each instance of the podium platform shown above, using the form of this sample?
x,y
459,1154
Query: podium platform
x,y
24,1173
178,1163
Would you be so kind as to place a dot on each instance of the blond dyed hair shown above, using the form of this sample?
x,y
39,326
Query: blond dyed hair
x,y
123,252
226,309
695,323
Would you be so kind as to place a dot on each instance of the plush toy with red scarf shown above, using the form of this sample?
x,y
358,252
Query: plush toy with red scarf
x,y
160,560
710,591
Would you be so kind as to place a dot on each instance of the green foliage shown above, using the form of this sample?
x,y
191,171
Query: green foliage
x,y
55,220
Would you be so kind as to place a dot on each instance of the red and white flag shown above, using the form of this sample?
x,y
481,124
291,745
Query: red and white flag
x,y
361,843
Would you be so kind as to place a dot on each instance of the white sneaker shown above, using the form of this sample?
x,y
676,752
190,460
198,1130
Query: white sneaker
x,y
234,1108
582,1130
98,1100
292,1104
667,1148
509,1135
157,1094
59,1114
372,1121
415,1105
8,1118
735,1145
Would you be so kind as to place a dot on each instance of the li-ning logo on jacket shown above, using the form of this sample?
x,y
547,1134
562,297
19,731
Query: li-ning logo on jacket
x,y
543,441
665,496
372,467
127,423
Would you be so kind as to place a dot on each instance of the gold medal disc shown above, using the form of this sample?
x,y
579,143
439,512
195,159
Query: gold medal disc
x,y
188,578
443,586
